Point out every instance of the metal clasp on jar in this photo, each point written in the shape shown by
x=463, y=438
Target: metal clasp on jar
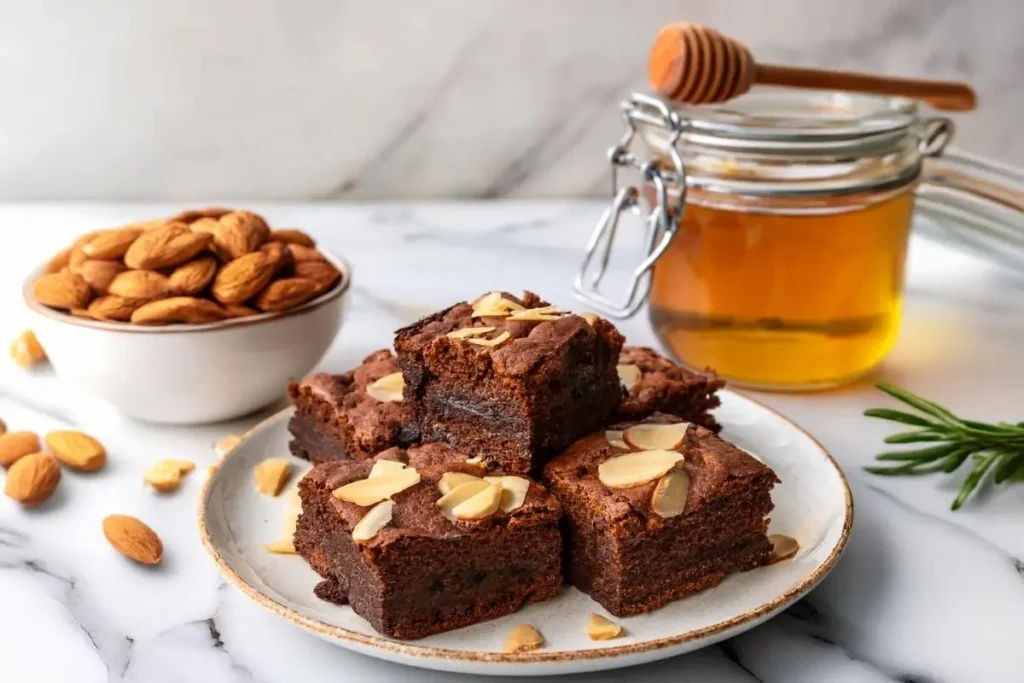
x=661, y=221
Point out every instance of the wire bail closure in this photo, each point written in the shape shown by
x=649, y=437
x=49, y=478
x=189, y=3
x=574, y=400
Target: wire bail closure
x=661, y=221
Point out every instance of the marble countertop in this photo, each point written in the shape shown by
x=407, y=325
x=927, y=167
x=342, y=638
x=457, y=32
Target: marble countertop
x=922, y=594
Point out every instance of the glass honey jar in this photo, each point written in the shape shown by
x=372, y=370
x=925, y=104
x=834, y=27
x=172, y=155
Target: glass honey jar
x=777, y=227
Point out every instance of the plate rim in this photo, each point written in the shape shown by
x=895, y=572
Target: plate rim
x=410, y=649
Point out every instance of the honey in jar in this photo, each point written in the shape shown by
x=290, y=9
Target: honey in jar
x=777, y=228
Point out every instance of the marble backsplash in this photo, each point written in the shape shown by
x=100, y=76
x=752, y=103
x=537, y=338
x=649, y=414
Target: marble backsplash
x=323, y=99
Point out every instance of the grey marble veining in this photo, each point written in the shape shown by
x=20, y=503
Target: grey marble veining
x=438, y=98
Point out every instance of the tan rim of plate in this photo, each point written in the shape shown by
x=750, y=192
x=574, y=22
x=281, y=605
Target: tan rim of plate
x=426, y=652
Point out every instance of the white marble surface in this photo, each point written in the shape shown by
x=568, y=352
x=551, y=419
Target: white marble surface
x=922, y=594
x=434, y=98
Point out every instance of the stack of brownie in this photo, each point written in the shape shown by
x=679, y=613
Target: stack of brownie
x=449, y=476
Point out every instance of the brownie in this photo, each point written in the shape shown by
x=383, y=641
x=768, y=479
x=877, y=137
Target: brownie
x=665, y=387
x=631, y=559
x=335, y=418
x=516, y=403
x=424, y=573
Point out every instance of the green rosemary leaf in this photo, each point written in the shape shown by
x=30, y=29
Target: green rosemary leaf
x=899, y=416
x=973, y=479
x=1009, y=464
x=922, y=454
x=925, y=406
x=915, y=437
x=954, y=460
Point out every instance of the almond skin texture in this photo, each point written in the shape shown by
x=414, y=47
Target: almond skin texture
x=292, y=236
x=99, y=274
x=133, y=539
x=26, y=350
x=241, y=279
x=281, y=295
x=193, y=277
x=62, y=290
x=193, y=215
x=16, y=445
x=166, y=246
x=58, y=261
x=114, y=308
x=279, y=256
x=178, y=309
x=140, y=284
x=239, y=311
x=240, y=232
x=322, y=273
x=302, y=253
x=205, y=224
x=111, y=245
x=32, y=479
x=77, y=450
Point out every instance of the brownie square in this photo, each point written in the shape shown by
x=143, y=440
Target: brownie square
x=664, y=387
x=516, y=403
x=424, y=573
x=630, y=558
x=335, y=418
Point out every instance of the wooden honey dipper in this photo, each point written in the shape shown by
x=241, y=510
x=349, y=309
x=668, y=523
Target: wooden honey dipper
x=698, y=65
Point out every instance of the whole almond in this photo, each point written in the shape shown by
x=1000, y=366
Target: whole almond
x=243, y=278
x=280, y=295
x=77, y=450
x=133, y=539
x=291, y=236
x=204, y=225
x=32, y=479
x=114, y=308
x=76, y=258
x=99, y=274
x=140, y=284
x=193, y=277
x=26, y=350
x=178, y=309
x=58, y=261
x=240, y=232
x=82, y=313
x=279, y=255
x=111, y=245
x=302, y=253
x=193, y=215
x=169, y=245
x=16, y=445
x=322, y=273
x=239, y=311
x=62, y=290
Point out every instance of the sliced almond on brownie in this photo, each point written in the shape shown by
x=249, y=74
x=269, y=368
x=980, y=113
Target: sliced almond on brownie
x=481, y=505
x=648, y=437
x=629, y=375
x=600, y=628
x=451, y=480
x=384, y=467
x=544, y=313
x=669, y=496
x=459, y=494
x=513, y=491
x=493, y=304
x=590, y=317
x=373, y=521
x=367, y=492
x=470, y=332
x=614, y=439
x=633, y=469
x=387, y=389
x=490, y=342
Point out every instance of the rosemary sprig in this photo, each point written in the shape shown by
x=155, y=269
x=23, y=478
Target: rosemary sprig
x=953, y=441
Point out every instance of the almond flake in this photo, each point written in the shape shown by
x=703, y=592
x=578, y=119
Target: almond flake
x=227, y=444
x=669, y=496
x=783, y=547
x=482, y=505
x=451, y=480
x=163, y=480
x=530, y=316
x=384, y=467
x=523, y=638
x=469, y=332
x=366, y=492
x=629, y=375
x=494, y=304
x=387, y=389
x=600, y=628
x=373, y=521
x=649, y=437
x=179, y=466
x=490, y=342
x=460, y=494
x=614, y=439
x=270, y=475
x=283, y=547
x=591, y=318
x=633, y=469
x=477, y=461
x=513, y=491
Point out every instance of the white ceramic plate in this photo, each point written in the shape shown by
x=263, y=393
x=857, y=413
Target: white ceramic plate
x=813, y=504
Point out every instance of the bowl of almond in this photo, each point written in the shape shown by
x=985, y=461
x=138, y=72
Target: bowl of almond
x=200, y=317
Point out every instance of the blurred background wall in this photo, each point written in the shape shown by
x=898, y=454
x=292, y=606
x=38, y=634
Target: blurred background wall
x=328, y=99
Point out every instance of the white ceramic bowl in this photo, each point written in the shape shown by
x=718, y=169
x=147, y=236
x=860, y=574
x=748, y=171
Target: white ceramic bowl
x=191, y=374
